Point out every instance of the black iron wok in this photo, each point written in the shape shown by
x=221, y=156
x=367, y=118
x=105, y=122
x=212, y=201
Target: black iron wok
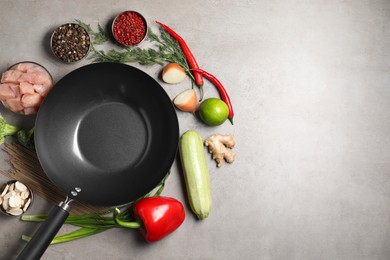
x=106, y=134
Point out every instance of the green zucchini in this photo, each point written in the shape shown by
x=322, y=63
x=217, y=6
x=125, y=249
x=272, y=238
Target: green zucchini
x=196, y=173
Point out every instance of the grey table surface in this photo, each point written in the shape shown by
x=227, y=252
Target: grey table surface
x=310, y=83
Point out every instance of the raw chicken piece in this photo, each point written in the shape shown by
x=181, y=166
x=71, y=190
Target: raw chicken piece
x=14, y=104
x=37, y=68
x=25, y=66
x=26, y=88
x=11, y=76
x=36, y=77
x=31, y=100
x=42, y=89
x=30, y=110
x=15, y=88
x=6, y=91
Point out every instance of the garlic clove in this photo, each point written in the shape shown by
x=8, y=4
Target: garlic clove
x=9, y=195
x=5, y=190
x=20, y=186
x=26, y=205
x=25, y=194
x=15, y=201
x=5, y=204
x=12, y=186
x=15, y=212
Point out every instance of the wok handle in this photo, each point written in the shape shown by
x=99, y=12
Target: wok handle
x=46, y=232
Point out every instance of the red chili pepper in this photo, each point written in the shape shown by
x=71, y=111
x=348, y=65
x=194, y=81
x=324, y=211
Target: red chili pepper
x=189, y=56
x=221, y=89
x=159, y=216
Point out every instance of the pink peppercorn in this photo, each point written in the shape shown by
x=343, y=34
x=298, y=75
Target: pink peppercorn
x=129, y=28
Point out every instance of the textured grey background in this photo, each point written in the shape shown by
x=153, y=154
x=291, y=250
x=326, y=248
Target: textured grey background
x=310, y=85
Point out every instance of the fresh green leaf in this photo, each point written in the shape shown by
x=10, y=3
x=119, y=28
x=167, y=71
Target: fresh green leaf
x=26, y=138
x=77, y=234
x=6, y=129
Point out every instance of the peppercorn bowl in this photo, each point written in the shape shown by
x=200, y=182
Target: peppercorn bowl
x=70, y=42
x=129, y=28
x=15, y=198
x=24, y=86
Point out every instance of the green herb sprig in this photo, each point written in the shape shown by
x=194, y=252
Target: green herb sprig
x=165, y=49
x=99, y=37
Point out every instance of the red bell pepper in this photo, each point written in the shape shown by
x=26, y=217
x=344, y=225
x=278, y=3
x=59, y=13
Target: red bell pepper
x=156, y=217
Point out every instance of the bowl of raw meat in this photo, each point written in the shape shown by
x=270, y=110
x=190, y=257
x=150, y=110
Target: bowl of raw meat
x=24, y=86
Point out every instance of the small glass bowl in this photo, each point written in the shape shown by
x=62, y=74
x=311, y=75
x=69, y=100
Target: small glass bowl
x=16, y=198
x=20, y=85
x=129, y=28
x=70, y=42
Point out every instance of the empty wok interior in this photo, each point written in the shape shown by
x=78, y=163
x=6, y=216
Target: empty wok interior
x=107, y=131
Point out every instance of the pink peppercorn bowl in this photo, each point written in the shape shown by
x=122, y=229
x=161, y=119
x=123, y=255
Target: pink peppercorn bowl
x=129, y=28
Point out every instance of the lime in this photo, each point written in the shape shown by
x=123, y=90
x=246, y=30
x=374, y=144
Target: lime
x=213, y=111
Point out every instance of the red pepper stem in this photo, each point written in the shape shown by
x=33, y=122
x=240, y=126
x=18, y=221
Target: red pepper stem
x=132, y=225
x=201, y=92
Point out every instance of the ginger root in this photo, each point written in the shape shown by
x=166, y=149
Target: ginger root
x=219, y=146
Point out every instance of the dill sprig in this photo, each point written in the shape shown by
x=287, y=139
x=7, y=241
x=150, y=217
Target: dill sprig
x=99, y=37
x=165, y=49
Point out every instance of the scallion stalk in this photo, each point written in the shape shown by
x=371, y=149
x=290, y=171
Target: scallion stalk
x=94, y=223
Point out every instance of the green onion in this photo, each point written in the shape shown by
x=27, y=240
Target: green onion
x=77, y=234
x=94, y=223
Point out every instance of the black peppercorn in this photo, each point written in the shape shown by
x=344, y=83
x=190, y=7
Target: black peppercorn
x=70, y=42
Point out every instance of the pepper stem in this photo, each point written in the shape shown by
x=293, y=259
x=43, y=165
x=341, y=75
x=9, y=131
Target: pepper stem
x=125, y=224
x=201, y=92
x=231, y=120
